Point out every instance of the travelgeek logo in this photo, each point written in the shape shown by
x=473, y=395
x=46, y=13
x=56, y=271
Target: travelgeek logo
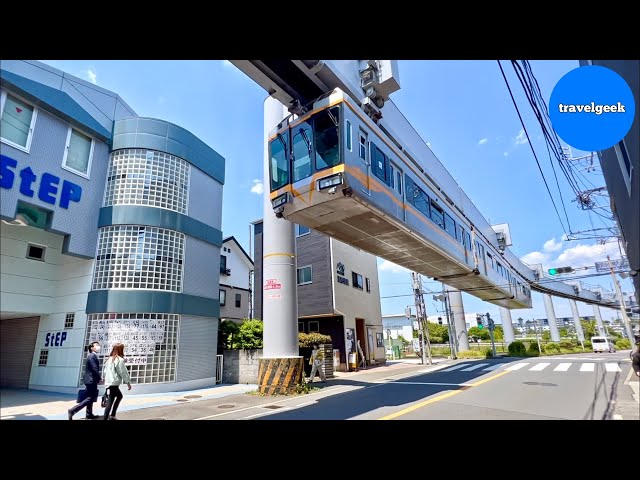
x=592, y=108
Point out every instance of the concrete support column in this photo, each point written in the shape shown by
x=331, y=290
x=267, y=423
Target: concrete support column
x=507, y=326
x=457, y=312
x=576, y=320
x=598, y=315
x=551, y=317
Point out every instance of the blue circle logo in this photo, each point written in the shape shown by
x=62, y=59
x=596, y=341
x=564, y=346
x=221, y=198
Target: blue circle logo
x=592, y=108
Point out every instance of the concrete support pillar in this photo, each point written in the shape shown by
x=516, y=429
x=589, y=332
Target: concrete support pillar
x=507, y=326
x=551, y=317
x=457, y=312
x=576, y=320
x=598, y=315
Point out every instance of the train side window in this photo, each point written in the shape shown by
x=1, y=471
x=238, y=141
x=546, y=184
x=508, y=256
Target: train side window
x=490, y=257
x=302, y=154
x=468, y=240
x=437, y=215
x=421, y=201
x=348, y=134
x=363, y=147
x=399, y=182
x=392, y=177
x=450, y=225
x=379, y=164
x=279, y=161
x=460, y=234
x=325, y=134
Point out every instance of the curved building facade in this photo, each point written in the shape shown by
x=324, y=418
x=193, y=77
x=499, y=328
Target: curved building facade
x=137, y=246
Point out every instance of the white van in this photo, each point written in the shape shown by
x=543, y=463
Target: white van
x=602, y=344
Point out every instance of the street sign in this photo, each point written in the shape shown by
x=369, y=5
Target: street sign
x=617, y=264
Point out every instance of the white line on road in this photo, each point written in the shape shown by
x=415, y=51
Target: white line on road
x=492, y=367
x=265, y=413
x=562, y=367
x=539, y=367
x=400, y=382
x=451, y=369
x=587, y=367
x=612, y=367
x=517, y=366
x=475, y=367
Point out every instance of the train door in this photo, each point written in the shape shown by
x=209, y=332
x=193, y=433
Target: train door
x=364, y=156
x=397, y=190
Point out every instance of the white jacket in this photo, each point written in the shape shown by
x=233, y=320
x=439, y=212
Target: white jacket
x=115, y=373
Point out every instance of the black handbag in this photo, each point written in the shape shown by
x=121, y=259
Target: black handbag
x=82, y=394
x=105, y=399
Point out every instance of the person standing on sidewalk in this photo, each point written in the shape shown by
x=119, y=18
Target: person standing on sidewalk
x=91, y=380
x=317, y=363
x=635, y=361
x=115, y=373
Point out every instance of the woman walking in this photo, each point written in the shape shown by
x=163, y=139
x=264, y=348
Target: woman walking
x=115, y=374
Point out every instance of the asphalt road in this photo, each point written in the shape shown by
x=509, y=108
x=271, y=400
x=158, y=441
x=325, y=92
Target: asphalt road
x=583, y=386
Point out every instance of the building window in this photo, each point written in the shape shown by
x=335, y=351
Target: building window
x=304, y=275
x=223, y=297
x=238, y=300
x=17, y=121
x=147, y=177
x=302, y=230
x=301, y=327
x=314, y=326
x=68, y=320
x=78, y=153
x=368, y=284
x=379, y=340
x=44, y=356
x=131, y=256
x=223, y=265
x=36, y=252
x=357, y=280
x=150, y=339
x=348, y=123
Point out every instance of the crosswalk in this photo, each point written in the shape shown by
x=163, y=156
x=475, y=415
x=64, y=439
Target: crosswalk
x=610, y=367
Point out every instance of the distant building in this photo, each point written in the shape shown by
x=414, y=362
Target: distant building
x=398, y=324
x=236, y=268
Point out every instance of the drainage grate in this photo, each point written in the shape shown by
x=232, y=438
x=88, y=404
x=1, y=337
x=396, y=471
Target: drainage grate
x=182, y=400
x=226, y=405
x=273, y=407
x=193, y=396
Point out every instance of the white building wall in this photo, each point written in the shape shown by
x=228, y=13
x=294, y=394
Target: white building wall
x=51, y=289
x=238, y=264
x=352, y=302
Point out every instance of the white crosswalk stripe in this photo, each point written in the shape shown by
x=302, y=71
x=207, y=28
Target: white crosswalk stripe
x=539, y=367
x=587, y=367
x=562, y=367
x=517, y=366
x=492, y=367
x=475, y=367
x=612, y=367
x=451, y=369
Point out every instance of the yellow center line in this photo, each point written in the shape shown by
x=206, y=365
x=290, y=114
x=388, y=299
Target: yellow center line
x=441, y=397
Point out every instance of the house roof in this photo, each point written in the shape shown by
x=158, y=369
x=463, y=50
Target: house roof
x=232, y=238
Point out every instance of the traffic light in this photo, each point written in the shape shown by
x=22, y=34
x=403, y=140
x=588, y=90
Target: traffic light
x=440, y=320
x=479, y=320
x=558, y=271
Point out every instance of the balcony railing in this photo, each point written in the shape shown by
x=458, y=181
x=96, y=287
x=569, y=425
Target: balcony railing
x=225, y=271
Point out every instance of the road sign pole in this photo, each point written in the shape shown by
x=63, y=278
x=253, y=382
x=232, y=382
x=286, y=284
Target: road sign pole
x=623, y=307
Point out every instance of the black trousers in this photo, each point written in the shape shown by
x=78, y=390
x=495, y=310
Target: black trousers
x=92, y=396
x=115, y=395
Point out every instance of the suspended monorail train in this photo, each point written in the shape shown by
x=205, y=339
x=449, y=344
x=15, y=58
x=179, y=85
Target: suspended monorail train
x=334, y=170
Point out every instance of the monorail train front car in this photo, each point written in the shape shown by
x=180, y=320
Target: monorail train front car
x=334, y=170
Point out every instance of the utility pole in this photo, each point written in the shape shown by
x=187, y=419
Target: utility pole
x=623, y=307
x=421, y=315
x=491, y=327
x=535, y=327
x=444, y=297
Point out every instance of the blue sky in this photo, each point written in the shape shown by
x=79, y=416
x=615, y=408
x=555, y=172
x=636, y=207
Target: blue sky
x=461, y=108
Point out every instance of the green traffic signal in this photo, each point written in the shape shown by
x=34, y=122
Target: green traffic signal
x=553, y=271
x=480, y=326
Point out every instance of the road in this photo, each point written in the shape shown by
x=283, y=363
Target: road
x=576, y=387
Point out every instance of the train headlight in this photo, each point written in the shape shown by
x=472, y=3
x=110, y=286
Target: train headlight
x=279, y=200
x=329, y=182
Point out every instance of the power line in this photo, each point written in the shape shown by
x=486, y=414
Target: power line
x=534, y=152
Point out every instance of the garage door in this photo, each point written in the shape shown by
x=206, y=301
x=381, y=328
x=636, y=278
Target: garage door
x=17, y=342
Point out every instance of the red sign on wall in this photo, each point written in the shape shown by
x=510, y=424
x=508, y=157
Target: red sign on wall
x=272, y=284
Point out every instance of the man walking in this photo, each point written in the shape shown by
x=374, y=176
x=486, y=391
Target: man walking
x=91, y=380
x=317, y=361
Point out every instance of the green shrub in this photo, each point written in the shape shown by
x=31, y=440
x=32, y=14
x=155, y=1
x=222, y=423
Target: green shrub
x=623, y=344
x=488, y=352
x=517, y=348
x=588, y=345
x=436, y=340
x=440, y=351
x=549, y=348
x=533, y=351
x=249, y=335
x=472, y=354
x=568, y=344
x=306, y=340
x=226, y=331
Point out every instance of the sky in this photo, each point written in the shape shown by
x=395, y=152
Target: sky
x=461, y=108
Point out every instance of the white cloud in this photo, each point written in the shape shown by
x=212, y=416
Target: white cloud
x=521, y=138
x=483, y=141
x=91, y=75
x=552, y=245
x=258, y=187
x=534, y=258
x=506, y=154
x=587, y=255
x=387, y=266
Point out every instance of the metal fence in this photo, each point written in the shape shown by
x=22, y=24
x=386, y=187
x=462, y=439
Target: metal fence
x=219, y=365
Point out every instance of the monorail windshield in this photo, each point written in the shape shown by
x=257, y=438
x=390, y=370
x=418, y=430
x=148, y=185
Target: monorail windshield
x=306, y=147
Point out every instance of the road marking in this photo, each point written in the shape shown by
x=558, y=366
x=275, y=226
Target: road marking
x=539, y=367
x=400, y=382
x=587, y=367
x=475, y=367
x=562, y=367
x=451, y=369
x=517, y=366
x=265, y=413
x=617, y=417
x=492, y=367
x=612, y=367
x=440, y=397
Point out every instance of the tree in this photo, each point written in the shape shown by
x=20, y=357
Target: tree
x=564, y=332
x=546, y=335
x=403, y=340
x=589, y=328
x=482, y=334
x=249, y=335
x=226, y=331
x=498, y=333
x=437, y=330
